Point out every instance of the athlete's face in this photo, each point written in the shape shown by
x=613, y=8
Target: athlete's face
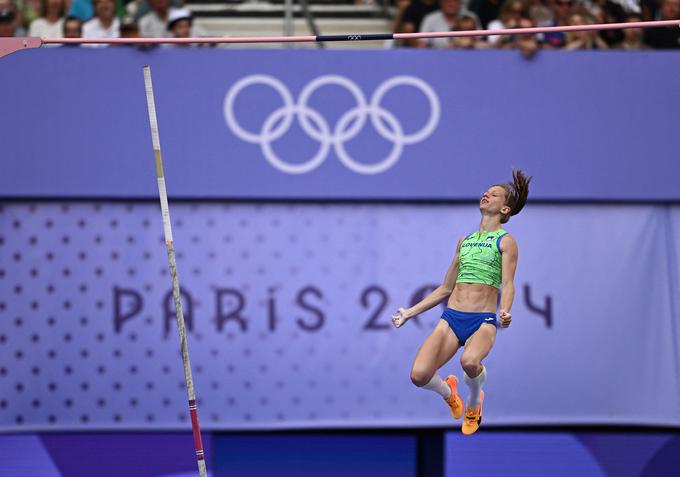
x=493, y=201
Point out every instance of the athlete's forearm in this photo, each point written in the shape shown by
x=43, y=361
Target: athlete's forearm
x=507, y=296
x=439, y=294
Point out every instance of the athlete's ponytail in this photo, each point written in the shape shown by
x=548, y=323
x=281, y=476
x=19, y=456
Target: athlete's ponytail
x=517, y=192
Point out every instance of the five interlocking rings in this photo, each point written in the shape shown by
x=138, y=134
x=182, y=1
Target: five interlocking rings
x=346, y=128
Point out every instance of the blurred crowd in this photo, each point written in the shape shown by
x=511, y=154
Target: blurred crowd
x=452, y=15
x=168, y=18
x=95, y=19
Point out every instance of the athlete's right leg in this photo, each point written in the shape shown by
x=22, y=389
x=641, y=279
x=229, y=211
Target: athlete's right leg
x=437, y=350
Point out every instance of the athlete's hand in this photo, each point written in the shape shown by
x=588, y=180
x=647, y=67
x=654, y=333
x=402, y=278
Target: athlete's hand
x=400, y=318
x=506, y=318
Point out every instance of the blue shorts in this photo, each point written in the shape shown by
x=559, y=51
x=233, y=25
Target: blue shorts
x=465, y=323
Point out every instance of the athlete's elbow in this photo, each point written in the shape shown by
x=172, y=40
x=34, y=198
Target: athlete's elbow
x=508, y=285
x=445, y=290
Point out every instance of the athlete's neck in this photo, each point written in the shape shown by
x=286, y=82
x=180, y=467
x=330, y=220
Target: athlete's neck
x=489, y=223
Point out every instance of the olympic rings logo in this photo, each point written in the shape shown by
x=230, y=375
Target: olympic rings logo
x=346, y=128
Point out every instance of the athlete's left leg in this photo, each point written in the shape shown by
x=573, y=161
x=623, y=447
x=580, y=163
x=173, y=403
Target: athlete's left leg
x=477, y=347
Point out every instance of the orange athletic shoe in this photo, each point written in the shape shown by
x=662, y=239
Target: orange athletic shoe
x=473, y=417
x=454, y=401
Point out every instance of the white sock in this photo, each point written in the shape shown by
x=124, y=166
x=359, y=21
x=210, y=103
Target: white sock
x=440, y=387
x=475, y=386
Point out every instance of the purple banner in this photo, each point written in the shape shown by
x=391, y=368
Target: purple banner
x=287, y=310
x=340, y=124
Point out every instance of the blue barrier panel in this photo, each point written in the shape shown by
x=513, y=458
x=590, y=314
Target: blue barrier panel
x=310, y=455
x=562, y=454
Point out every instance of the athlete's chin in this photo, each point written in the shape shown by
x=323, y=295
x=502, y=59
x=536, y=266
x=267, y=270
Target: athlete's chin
x=486, y=210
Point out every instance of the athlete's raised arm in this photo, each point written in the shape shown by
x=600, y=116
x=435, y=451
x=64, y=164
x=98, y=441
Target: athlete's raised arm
x=439, y=294
x=510, y=253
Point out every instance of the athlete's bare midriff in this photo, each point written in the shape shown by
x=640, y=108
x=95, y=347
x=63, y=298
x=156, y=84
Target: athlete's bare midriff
x=474, y=297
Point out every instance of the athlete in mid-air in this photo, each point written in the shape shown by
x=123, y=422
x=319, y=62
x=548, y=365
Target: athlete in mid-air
x=484, y=261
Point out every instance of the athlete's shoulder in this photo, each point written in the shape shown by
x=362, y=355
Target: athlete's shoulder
x=467, y=236
x=461, y=239
x=507, y=242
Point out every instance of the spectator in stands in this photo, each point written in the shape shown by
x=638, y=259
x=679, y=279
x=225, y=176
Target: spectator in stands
x=73, y=28
x=665, y=37
x=415, y=13
x=179, y=24
x=10, y=19
x=51, y=23
x=611, y=13
x=84, y=9
x=563, y=10
x=583, y=40
x=511, y=12
x=400, y=26
x=633, y=37
x=541, y=15
x=104, y=24
x=527, y=45
x=593, y=8
x=139, y=8
x=129, y=27
x=629, y=6
x=486, y=10
x=650, y=9
x=467, y=22
x=443, y=19
x=29, y=10
x=155, y=23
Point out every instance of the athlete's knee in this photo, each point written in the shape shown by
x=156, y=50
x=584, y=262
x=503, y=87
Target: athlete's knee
x=421, y=376
x=471, y=364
